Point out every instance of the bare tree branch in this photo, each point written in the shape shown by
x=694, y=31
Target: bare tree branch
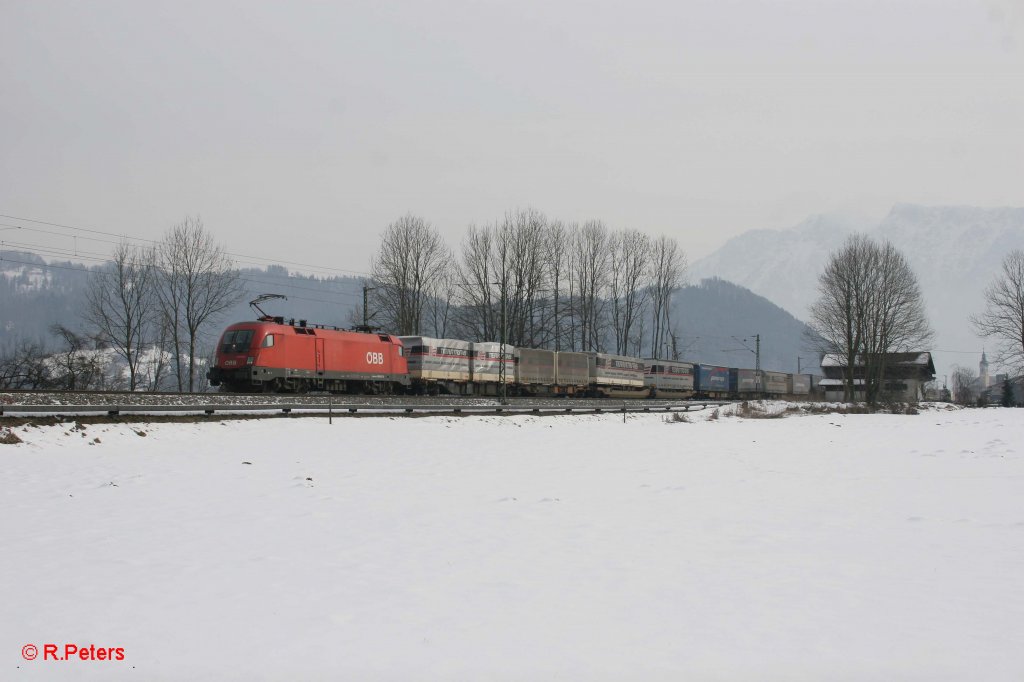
x=198, y=283
x=1003, y=318
x=869, y=306
x=668, y=269
x=120, y=304
x=411, y=260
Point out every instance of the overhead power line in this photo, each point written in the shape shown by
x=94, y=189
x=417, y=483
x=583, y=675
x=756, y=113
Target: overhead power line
x=100, y=273
x=72, y=227
x=125, y=236
x=103, y=259
x=45, y=265
x=58, y=251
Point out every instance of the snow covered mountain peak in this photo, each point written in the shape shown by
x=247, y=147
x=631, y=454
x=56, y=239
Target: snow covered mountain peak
x=955, y=251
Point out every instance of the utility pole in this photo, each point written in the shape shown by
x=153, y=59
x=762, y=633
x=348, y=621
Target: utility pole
x=757, y=361
x=366, y=313
x=503, y=391
x=501, y=353
x=501, y=348
x=756, y=350
x=558, y=331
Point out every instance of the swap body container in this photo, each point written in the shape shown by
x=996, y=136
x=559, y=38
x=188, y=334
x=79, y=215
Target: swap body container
x=615, y=370
x=711, y=380
x=801, y=384
x=486, y=360
x=743, y=382
x=535, y=367
x=775, y=383
x=668, y=377
x=438, y=359
x=572, y=371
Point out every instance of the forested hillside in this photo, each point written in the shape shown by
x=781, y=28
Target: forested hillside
x=35, y=295
x=717, y=322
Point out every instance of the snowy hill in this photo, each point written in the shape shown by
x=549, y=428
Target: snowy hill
x=955, y=250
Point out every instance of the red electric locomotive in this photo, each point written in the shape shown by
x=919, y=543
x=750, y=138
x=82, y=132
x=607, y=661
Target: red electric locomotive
x=274, y=354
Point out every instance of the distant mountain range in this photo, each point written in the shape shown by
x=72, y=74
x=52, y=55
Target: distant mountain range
x=955, y=251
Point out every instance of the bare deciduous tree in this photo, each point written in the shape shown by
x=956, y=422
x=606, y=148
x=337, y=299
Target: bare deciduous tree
x=964, y=382
x=535, y=283
x=75, y=363
x=521, y=245
x=162, y=349
x=588, y=268
x=668, y=269
x=1003, y=317
x=835, y=315
x=630, y=256
x=478, y=313
x=120, y=304
x=555, y=250
x=896, y=320
x=23, y=365
x=198, y=282
x=503, y=280
x=440, y=300
x=869, y=306
x=411, y=259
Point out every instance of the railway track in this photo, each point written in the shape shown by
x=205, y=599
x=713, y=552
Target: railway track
x=115, y=403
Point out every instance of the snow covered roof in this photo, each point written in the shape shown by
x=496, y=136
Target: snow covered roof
x=921, y=358
x=828, y=383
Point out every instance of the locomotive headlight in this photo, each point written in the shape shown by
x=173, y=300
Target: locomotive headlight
x=249, y=360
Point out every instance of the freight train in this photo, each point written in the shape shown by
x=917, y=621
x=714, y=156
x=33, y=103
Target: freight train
x=276, y=355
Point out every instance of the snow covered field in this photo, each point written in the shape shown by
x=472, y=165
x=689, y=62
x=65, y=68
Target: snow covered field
x=829, y=547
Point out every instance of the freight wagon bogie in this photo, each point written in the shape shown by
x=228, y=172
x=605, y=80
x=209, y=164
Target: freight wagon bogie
x=300, y=385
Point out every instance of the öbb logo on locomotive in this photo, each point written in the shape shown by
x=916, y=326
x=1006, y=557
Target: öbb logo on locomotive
x=278, y=355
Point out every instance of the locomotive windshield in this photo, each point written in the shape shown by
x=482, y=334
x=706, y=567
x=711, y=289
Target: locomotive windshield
x=236, y=341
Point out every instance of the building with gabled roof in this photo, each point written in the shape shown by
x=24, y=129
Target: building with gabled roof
x=905, y=376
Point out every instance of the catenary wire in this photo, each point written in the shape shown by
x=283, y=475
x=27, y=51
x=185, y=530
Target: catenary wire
x=100, y=273
x=265, y=260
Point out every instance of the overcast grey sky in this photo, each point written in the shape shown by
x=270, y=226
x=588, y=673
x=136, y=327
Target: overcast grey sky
x=299, y=130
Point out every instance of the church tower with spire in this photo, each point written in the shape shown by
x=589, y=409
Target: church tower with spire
x=983, y=371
